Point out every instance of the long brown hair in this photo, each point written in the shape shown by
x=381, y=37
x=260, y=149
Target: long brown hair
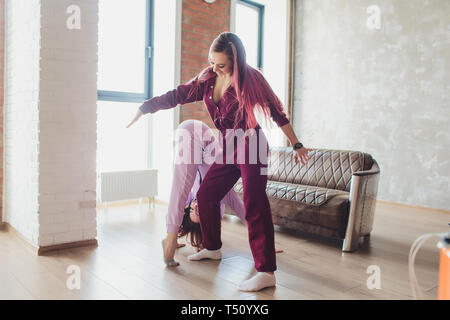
x=252, y=89
x=190, y=229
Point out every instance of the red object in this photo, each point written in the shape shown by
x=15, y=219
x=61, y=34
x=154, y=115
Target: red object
x=444, y=275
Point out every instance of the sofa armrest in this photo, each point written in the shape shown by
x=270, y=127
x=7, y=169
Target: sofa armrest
x=363, y=194
x=374, y=170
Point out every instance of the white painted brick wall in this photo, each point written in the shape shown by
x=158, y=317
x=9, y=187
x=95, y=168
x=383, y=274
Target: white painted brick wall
x=50, y=120
x=21, y=107
x=67, y=121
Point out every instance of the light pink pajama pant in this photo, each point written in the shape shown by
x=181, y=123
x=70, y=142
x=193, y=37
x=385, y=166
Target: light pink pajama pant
x=186, y=179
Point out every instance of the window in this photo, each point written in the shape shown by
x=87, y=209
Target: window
x=125, y=49
x=263, y=27
x=250, y=27
x=125, y=69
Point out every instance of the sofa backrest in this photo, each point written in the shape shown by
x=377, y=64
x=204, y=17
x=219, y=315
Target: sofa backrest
x=331, y=169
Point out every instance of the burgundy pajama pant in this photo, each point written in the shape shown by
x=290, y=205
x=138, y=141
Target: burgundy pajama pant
x=219, y=179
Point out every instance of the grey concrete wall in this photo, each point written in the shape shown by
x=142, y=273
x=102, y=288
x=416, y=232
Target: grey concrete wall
x=383, y=91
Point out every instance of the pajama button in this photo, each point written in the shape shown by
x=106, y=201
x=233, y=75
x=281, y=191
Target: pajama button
x=210, y=97
x=212, y=87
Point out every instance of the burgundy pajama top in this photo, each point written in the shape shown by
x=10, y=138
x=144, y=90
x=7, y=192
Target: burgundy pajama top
x=222, y=114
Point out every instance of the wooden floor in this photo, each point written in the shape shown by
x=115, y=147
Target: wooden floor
x=127, y=264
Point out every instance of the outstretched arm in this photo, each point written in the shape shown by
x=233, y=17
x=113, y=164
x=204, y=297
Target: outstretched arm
x=184, y=93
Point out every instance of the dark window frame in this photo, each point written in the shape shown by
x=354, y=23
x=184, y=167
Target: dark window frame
x=123, y=96
x=260, y=8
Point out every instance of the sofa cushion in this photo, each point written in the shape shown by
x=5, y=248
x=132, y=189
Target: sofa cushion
x=331, y=169
x=305, y=194
x=306, y=208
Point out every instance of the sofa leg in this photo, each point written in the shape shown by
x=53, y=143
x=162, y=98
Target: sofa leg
x=366, y=239
x=350, y=245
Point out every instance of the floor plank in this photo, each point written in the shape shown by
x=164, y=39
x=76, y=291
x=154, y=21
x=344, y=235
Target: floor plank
x=127, y=264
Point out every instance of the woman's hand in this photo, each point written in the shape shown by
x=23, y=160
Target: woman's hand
x=299, y=154
x=138, y=115
x=302, y=155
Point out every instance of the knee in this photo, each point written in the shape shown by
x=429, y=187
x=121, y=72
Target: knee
x=256, y=199
x=202, y=196
x=257, y=207
x=205, y=198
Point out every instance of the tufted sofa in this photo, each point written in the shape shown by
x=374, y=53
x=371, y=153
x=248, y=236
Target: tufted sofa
x=332, y=195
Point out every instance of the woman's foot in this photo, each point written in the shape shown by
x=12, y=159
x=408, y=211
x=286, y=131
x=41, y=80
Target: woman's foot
x=169, y=252
x=206, y=254
x=260, y=281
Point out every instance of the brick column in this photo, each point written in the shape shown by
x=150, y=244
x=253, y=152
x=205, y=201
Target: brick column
x=51, y=122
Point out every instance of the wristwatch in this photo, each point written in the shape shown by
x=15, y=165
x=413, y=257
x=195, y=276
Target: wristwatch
x=298, y=145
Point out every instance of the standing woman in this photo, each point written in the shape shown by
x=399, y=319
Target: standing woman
x=232, y=91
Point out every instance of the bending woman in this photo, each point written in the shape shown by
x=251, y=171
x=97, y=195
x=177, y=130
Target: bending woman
x=194, y=138
x=232, y=91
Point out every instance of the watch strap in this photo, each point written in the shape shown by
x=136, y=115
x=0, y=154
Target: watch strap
x=298, y=145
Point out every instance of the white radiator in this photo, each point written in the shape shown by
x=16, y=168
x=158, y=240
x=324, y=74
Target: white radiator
x=125, y=185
